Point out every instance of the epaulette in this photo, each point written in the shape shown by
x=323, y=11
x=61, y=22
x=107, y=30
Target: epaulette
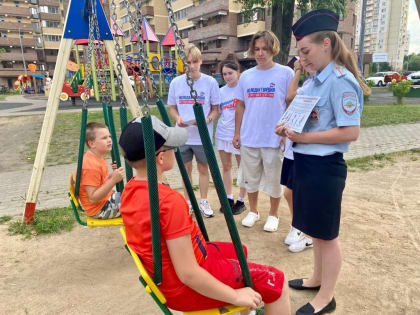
x=339, y=71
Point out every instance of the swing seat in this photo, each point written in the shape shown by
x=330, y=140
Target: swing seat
x=157, y=295
x=90, y=222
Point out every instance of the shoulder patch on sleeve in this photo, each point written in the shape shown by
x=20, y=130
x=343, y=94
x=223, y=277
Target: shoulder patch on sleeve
x=349, y=102
x=339, y=71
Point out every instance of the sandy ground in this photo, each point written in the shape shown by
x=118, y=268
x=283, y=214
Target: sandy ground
x=88, y=271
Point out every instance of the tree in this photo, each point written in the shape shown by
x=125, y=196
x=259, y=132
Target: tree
x=282, y=12
x=412, y=62
x=379, y=67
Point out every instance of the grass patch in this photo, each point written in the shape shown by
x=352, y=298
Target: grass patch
x=378, y=115
x=64, y=144
x=49, y=221
x=5, y=218
x=376, y=161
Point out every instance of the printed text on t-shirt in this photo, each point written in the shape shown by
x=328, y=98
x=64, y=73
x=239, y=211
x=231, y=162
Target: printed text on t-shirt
x=231, y=104
x=262, y=92
x=189, y=100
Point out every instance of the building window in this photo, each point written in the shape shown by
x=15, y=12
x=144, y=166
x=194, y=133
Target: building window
x=257, y=15
x=181, y=14
x=128, y=48
x=124, y=19
x=218, y=43
x=351, y=43
x=52, y=38
x=49, y=9
x=122, y=4
x=204, y=46
x=7, y=64
x=16, y=4
x=2, y=18
x=38, y=41
x=3, y=34
x=184, y=33
x=19, y=19
x=46, y=23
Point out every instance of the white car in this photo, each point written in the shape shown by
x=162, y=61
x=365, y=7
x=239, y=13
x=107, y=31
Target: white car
x=414, y=77
x=378, y=78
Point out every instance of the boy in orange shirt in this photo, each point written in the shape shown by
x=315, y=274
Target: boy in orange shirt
x=195, y=275
x=97, y=196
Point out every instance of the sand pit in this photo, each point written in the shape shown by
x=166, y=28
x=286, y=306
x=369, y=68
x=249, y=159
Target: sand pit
x=88, y=271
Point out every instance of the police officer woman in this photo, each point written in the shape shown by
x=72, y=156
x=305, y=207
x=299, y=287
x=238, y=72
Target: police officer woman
x=319, y=168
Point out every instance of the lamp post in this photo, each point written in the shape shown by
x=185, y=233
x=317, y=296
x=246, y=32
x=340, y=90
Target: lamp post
x=23, y=56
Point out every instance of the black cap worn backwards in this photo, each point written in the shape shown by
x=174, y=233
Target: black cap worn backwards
x=315, y=21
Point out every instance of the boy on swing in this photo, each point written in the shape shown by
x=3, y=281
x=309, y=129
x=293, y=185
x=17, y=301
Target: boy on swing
x=97, y=196
x=195, y=275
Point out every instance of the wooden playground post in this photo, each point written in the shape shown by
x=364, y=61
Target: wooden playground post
x=111, y=74
x=95, y=77
x=76, y=49
x=47, y=129
x=160, y=51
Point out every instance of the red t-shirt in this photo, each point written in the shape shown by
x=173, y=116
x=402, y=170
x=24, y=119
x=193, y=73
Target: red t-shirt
x=94, y=173
x=175, y=221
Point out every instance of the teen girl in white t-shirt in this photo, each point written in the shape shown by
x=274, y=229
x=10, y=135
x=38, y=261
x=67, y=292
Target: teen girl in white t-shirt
x=226, y=129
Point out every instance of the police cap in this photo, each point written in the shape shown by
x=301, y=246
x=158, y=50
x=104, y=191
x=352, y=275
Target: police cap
x=315, y=21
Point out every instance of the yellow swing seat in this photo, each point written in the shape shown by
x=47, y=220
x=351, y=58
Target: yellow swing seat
x=153, y=290
x=90, y=222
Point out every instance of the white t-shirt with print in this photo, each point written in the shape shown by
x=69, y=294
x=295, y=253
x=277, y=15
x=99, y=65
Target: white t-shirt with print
x=226, y=124
x=264, y=94
x=288, y=150
x=208, y=94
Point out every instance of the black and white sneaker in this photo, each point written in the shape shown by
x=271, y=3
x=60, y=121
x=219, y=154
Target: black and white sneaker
x=238, y=207
x=231, y=204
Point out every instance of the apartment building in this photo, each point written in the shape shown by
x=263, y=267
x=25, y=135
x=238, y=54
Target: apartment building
x=30, y=32
x=385, y=29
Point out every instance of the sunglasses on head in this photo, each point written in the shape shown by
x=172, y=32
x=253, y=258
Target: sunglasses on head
x=166, y=150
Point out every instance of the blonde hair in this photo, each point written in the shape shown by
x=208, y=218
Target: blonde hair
x=341, y=55
x=91, y=131
x=193, y=51
x=270, y=39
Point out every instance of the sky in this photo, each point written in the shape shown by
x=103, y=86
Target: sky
x=413, y=26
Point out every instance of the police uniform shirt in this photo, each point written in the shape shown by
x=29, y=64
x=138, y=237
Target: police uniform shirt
x=340, y=105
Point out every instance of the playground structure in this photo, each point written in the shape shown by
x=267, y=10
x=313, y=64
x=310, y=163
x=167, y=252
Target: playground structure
x=94, y=26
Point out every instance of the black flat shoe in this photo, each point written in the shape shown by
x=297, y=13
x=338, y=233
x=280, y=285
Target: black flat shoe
x=309, y=309
x=297, y=284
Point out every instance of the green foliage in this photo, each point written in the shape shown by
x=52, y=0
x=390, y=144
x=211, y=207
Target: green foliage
x=5, y=218
x=48, y=221
x=375, y=67
x=412, y=62
x=400, y=89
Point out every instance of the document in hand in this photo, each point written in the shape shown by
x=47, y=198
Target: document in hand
x=298, y=111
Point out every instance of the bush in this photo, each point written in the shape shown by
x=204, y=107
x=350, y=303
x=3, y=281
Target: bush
x=370, y=84
x=400, y=89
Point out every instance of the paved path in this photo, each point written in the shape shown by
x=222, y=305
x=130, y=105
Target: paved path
x=13, y=185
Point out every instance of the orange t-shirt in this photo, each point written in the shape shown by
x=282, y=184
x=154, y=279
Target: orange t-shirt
x=94, y=173
x=175, y=221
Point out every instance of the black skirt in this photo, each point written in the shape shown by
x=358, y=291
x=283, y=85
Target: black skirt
x=318, y=186
x=286, y=178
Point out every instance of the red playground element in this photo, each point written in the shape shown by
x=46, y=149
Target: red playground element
x=148, y=35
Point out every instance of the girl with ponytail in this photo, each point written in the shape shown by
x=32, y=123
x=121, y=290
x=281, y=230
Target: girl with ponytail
x=319, y=169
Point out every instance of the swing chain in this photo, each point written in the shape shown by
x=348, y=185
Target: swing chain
x=100, y=61
x=179, y=46
x=119, y=54
x=136, y=22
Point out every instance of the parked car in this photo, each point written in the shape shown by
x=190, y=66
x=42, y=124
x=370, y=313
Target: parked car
x=414, y=77
x=394, y=76
x=378, y=78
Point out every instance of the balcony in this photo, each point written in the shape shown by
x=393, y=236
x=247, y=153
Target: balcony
x=208, y=9
x=26, y=42
x=213, y=55
x=14, y=26
x=148, y=11
x=250, y=28
x=54, y=3
x=50, y=16
x=216, y=31
x=17, y=56
x=13, y=11
x=11, y=72
x=50, y=58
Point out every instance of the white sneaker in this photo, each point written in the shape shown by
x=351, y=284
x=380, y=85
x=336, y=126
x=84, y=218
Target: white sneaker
x=206, y=209
x=271, y=224
x=293, y=236
x=250, y=219
x=301, y=245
